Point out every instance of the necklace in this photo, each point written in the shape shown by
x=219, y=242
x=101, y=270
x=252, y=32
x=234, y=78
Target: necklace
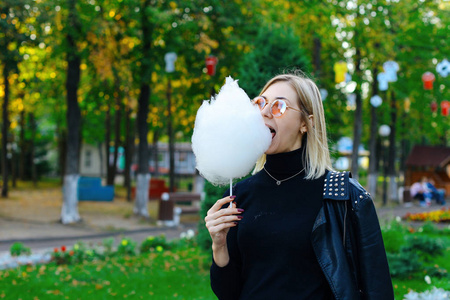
x=280, y=181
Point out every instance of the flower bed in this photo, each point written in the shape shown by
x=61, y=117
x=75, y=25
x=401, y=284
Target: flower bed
x=442, y=215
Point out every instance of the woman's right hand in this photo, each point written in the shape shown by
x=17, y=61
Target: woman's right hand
x=219, y=221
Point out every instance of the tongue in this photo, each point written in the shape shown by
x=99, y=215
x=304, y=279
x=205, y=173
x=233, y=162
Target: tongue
x=273, y=134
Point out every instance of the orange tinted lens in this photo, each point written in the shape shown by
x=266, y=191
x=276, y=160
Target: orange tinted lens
x=278, y=108
x=260, y=101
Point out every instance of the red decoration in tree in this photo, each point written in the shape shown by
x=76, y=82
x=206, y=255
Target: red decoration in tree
x=428, y=79
x=211, y=62
x=434, y=106
x=445, y=105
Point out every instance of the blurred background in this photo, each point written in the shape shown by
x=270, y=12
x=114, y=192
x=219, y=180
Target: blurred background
x=110, y=89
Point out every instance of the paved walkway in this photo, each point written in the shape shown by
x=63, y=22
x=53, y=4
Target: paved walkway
x=31, y=217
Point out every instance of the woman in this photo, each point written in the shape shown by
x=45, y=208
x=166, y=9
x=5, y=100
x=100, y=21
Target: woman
x=296, y=229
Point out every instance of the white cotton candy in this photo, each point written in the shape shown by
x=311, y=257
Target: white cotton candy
x=229, y=135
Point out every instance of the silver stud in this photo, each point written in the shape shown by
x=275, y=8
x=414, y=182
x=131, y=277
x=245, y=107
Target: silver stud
x=325, y=184
x=324, y=194
x=342, y=183
x=331, y=189
x=342, y=194
x=335, y=184
x=329, y=194
x=342, y=189
x=335, y=194
x=342, y=178
x=325, y=180
x=360, y=196
x=356, y=202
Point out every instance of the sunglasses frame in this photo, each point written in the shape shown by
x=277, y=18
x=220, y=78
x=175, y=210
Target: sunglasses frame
x=267, y=102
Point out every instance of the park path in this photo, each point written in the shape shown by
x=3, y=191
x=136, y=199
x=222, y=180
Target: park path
x=32, y=216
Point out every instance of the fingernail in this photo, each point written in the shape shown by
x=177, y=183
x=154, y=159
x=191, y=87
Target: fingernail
x=232, y=197
x=240, y=210
x=236, y=223
x=240, y=217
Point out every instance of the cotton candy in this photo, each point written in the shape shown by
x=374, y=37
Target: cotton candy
x=229, y=135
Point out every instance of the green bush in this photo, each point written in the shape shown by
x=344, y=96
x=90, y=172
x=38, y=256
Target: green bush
x=409, y=253
x=403, y=264
x=152, y=243
x=426, y=247
x=126, y=247
x=212, y=194
x=19, y=249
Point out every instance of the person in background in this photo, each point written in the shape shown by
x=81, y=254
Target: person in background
x=419, y=191
x=434, y=193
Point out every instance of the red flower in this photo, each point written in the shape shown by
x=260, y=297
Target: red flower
x=71, y=253
x=55, y=250
x=63, y=248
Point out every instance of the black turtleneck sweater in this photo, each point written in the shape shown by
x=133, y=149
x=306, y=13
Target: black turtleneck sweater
x=271, y=254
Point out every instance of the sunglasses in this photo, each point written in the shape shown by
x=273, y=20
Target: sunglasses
x=277, y=108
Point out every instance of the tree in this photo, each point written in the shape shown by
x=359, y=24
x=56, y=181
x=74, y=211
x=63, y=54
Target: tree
x=69, y=211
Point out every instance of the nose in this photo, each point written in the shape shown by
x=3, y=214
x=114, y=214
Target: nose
x=265, y=112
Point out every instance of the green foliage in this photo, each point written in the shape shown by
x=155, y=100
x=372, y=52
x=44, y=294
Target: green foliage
x=212, y=194
x=178, y=274
x=403, y=264
x=276, y=49
x=19, y=249
x=410, y=252
x=152, y=243
x=126, y=247
x=426, y=247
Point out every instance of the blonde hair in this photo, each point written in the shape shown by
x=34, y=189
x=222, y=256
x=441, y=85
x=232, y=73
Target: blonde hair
x=317, y=155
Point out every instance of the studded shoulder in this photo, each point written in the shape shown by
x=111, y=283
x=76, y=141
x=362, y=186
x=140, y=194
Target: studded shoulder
x=336, y=185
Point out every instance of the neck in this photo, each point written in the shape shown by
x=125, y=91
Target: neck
x=284, y=164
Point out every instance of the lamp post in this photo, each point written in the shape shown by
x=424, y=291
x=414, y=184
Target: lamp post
x=384, y=132
x=170, y=59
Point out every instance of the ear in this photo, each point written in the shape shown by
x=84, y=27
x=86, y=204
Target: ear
x=304, y=128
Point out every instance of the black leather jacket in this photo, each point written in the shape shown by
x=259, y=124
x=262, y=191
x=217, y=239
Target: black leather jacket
x=348, y=244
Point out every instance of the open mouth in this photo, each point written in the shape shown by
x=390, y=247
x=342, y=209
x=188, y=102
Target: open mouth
x=272, y=131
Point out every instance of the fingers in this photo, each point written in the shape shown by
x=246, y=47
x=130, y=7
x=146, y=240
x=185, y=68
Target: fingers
x=219, y=203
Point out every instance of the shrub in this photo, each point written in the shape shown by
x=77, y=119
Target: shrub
x=426, y=247
x=403, y=264
x=126, y=247
x=152, y=243
x=212, y=194
x=19, y=249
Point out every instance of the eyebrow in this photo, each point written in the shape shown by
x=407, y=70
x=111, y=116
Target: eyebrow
x=278, y=98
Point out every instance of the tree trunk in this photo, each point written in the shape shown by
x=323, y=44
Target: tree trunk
x=22, y=146
x=5, y=127
x=129, y=145
x=117, y=121
x=33, y=150
x=171, y=139
x=100, y=158
x=14, y=165
x=69, y=211
x=143, y=176
x=108, y=143
x=62, y=150
x=357, y=132
x=373, y=174
x=156, y=152
x=316, y=57
x=392, y=151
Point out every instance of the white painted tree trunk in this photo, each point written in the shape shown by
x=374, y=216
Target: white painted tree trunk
x=372, y=184
x=140, y=204
x=69, y=211
x=393, y=189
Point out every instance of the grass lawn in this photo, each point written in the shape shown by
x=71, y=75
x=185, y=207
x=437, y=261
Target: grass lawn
x=180, y=275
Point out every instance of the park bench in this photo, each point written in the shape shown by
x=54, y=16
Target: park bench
x=172, y=205
x=91, y=189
